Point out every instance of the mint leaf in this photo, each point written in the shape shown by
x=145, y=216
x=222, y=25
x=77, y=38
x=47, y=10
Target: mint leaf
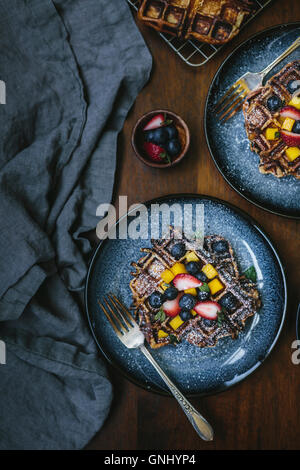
x=160, y=316
x=204, y=288
x=173, y=340
x=250, y=273
x=221, y=316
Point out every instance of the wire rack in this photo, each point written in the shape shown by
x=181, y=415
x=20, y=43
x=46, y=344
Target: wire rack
x=193, y=52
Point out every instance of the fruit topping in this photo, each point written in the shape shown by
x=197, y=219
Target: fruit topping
x=158, y=136
x=287, y=124
x=208, y=309
x=272, y=133
x=155, y=152
x=171, y=307
x=173, y=147
x=192, y=267
x=293, y=86
x=201, y=276
x=296, y=127
x=178, y=250
x=155, y=122
x=162, y=334
x=156, y=299
x=186, y=281
x=229, y=302
x=172, y=132
x=292, y=153
x=187, y=301
x=274, y=103
x=170, y=293
x=209, y=271
x=178, y=268
x=290, y=139
x=176, y=322
x=192, y=291
x=191, y=256
x=290, y=112
x=215, y=286
x=167, y=276
x=220, y=246
x=295, y=101
x=185, y=314
x=203, y=295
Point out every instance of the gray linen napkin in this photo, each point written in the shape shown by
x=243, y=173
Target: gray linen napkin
x=72, y=70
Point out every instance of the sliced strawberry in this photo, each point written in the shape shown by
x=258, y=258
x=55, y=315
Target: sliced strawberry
x=155, y=152
x=291, y=112
x=208, y=310
x=171, y=307
x=290, y=138
x=155, y=122
x=186, y=281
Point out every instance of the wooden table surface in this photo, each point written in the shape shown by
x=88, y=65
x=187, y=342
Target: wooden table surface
x=263, y=411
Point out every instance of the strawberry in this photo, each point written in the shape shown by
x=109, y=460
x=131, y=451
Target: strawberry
x=290, y=138
x=155, y=152
x=208, y=310
x=186, y=281
x=155, y=122
x=171, y=307
x=291, y=112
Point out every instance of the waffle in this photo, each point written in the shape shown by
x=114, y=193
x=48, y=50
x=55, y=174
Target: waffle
x=197, y=331
x=211, y=21
x=258, y=118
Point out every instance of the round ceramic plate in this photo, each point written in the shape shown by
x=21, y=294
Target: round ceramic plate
x=228, y=142
x=197, y=371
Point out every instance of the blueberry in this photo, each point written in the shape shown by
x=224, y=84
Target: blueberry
x=274, y=103
x=201, y=276
x=192, y=267
x=296, y=127
x=202, y=295
x=185, y=314
x=228, y=301
x=178, y=250
x=149, y=135
x=187, y=301
x=160, y=136
x=293, y=86
x=173, y=147
x=172, y=132
x=170, y=293
x=220, y=246
x=156, y=299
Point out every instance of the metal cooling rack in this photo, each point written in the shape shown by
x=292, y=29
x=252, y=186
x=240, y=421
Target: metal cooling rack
x=193, y=52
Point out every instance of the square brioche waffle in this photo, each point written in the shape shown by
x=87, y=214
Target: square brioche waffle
x=197, y=330
x=258, y=118
x=211, y=21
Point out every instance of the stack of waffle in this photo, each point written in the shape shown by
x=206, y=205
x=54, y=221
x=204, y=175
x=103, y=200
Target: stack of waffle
x=197, y=330
x=258, y=118
x=211, y=21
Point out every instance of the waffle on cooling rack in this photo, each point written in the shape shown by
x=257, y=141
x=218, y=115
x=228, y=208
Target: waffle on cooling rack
x=272, y=122
x=235, y=296
x=211, y=21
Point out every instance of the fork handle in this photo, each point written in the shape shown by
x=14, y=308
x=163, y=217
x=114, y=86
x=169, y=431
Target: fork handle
x=201, y=426
x=287, y=52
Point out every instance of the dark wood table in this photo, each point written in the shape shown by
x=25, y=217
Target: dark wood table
x=263, y=411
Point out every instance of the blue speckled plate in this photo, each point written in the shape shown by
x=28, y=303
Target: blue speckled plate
x=228, y=142
x=197, y=371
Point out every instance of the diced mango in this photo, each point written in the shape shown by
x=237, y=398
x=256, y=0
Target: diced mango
x=162, y=334
x=295, y=102
x=292, y=153
x=287, y=124
x=209, y=271
x=215, y=286
x=178, y=268
x=164, y=286
x=192, y=291
x=193, y=313
x=167, y=276
x=191, y=256
x=176, y=322
x=272, y=133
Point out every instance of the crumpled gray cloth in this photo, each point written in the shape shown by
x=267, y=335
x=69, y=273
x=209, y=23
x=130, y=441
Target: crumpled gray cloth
x=72, y=70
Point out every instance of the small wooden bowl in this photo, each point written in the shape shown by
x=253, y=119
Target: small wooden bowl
x=137, y=138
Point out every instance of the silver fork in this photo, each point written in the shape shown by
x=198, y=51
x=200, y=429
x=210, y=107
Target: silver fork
x=131, y=336
x=233, y=99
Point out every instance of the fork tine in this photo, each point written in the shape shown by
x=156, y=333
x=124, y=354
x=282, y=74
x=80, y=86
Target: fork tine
x=126, y=311
x=230, y=99
x=240, y=99
x=227, y=93
x=234, y=111
x=117, y=331
x=119, y=310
